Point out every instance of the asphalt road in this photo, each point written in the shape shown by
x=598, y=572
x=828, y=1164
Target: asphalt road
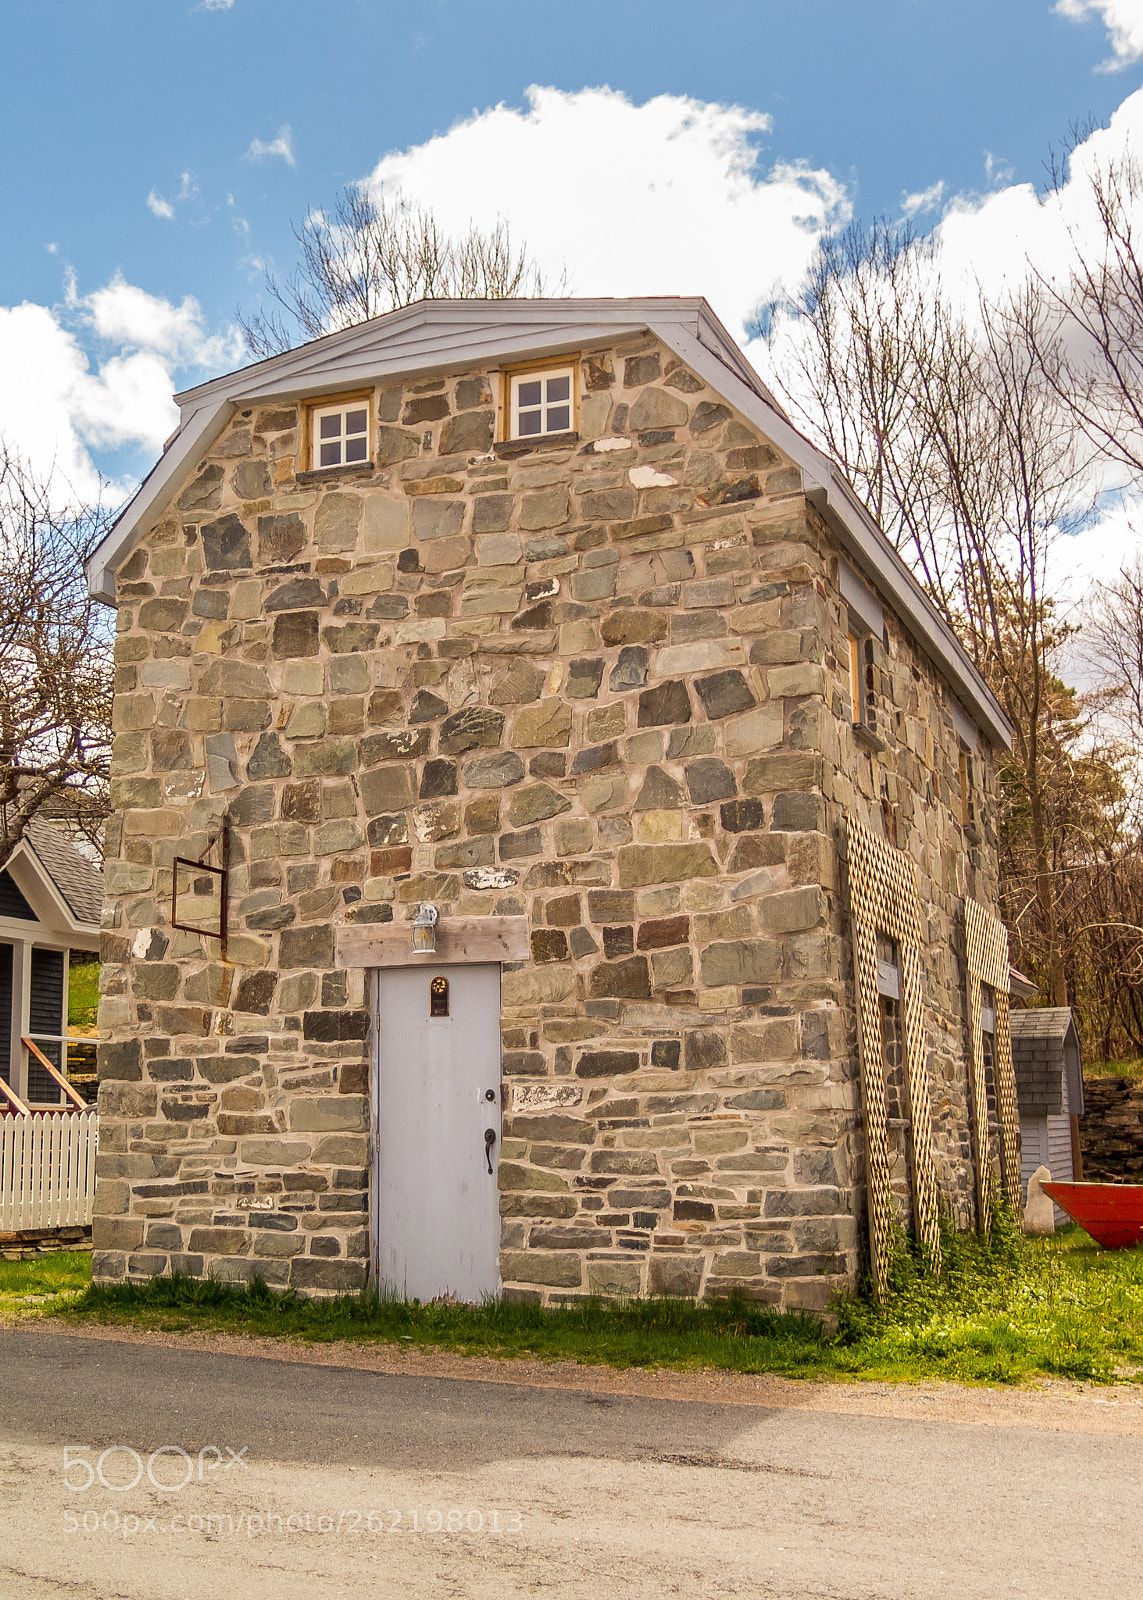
x=303, y=1480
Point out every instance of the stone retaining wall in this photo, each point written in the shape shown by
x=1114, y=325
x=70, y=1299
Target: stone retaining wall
x=600, y=684
x=28, y=1243
x=1111, y=1131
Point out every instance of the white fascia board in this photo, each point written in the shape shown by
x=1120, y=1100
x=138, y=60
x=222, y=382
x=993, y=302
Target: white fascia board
x=860, y=537
x=584, y=319
x=869, y=548
x=196, y=433
x=374, y=366
x=54, y=916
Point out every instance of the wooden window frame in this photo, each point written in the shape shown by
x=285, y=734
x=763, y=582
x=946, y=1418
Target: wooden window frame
x=888, y=967
x=967, y=808
x=856, y=698
x=862, y=668
x=508, y=379
x=336, y=402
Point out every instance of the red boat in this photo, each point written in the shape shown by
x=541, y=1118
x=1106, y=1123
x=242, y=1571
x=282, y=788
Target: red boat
x=1111, y=1212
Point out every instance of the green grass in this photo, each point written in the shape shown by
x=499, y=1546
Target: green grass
x=1006, y=1310
x=83, y=994
x=1131, y=1070
x=64, y=1272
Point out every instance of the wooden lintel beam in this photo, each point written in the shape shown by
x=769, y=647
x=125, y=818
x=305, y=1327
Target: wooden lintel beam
x=460, y=939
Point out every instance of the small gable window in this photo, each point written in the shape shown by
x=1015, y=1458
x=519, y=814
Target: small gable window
x=541, y=402
x=339, y=433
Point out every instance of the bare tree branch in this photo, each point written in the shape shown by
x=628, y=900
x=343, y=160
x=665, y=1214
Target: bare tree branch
x=55, y=663
x=948, y=426
x=374, y=255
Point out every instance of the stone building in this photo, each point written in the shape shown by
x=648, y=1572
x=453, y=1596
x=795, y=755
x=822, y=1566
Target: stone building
x=539, y=613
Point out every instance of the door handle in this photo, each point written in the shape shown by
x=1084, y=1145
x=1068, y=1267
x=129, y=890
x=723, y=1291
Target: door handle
x=489, y=1141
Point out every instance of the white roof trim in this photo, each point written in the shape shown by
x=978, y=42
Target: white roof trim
x=53, y=914
x=410, y=341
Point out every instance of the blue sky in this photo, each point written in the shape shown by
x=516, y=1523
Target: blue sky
x=164, y=149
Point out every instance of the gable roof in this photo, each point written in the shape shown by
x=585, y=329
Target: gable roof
x=78, y=880
x=433, y=336
x=1045, y=1049
x=61, y=889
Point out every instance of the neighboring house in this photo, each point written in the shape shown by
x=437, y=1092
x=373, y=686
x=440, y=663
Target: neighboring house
x=1049, y=1086
x=539, y=613
x=50, y=903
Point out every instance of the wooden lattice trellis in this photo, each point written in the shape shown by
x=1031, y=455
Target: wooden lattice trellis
x=986, y=953
x=883, y=897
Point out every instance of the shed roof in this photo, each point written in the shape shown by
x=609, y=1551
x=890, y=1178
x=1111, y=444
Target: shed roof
x=1045, y=1050
x=78, y=880
x=433, y=336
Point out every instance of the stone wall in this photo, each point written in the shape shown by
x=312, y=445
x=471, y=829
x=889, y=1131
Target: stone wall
x=904, y=783
x=1111, y=1131
x=599, y=685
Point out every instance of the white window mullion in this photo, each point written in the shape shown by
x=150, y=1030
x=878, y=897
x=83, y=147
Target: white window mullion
x=541, y=403
x=339, y=435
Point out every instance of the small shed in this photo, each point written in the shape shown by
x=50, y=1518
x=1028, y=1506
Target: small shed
x=50, y=903
x=1049, y=1091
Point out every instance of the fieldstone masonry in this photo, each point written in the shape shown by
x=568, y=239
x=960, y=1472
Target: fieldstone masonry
x=599, y=682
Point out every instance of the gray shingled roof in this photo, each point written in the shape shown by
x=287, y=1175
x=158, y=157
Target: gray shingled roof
x=1042, y=1041
x=78, y=880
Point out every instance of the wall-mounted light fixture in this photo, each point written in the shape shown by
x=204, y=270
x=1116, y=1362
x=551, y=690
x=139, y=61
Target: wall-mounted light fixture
x=425, y=929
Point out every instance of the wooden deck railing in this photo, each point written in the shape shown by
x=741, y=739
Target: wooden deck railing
x=12, y=1102
x=77, y=1102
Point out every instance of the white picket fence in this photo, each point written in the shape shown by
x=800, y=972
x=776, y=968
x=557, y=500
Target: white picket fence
x=47, y=1170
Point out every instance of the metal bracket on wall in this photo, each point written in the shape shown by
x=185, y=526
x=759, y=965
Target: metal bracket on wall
x=222, y=840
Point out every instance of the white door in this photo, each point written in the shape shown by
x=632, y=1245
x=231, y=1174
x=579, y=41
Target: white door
x=436, y=1213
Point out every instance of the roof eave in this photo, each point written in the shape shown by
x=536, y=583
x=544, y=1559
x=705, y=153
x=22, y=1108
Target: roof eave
x=66, y=920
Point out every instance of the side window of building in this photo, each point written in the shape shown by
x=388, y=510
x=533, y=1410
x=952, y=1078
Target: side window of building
x=893, y=1067
x=866, y=627
x=863, y=680
x=968, y=772
x=968, y=798
x=988, y=1038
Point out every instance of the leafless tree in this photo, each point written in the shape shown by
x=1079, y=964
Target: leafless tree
x=1093, y=350
x=375, y=254
x=1113, y=646
x=945, y=419
x=55, y=663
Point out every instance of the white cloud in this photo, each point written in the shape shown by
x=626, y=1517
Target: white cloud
x=97, y=373
x=215, y=5
x=1123, y=20
x=160, y=207
x=999, y=238
x=995, y=242
x=282, y=145
x=669, y=197
x=916, y=205
x=123, y=314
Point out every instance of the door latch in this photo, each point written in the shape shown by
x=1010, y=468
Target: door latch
x=489, y=1141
